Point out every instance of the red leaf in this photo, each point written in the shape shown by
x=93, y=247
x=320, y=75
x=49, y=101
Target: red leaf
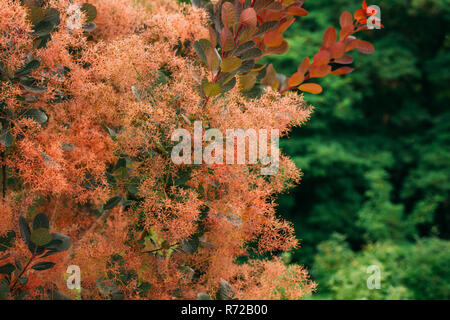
x=304, y=66
x=321, y=58
x=344, y=60
x=226, y=39
x=346, y=31
x=281, y=49
x=342, y=70
x=329, y=38
x=360, y=14
x=248, y=17
x=337, y=50
x=212, y=37
x=283, y=27
x=296, y=79
x=273, y=39
x=319, y=71
x=228, y=15
x=296, y=10
x=364, y=47
x=271, y=15
x=346, y=19
x=313, y=88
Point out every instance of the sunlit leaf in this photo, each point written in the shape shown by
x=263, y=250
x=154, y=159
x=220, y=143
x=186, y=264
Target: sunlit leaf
x=273, y=39
x=41, y=237
x=230, y=64
x=313, y=88
x=212, y=89
x=296, y=79
x=247, y=82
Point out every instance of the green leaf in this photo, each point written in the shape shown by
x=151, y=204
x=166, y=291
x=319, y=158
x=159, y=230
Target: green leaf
x=265, y=27
x=230, y=84
x=90, y=11
x=6, y=138
x=201, y=47
x=37, y=115
x=59, y=243
x=4, y=289
x=247, y=82
x=133, y=188
x=34, y=89
x=35, y=14
x=6, y=241
x=190, y=246
x=230, y=64
x=203, y=296
x=41, y=221
x=7, y=268
x=243, y=47
x=41, y=266
x=246, y=66
x=26, y=233
x=41, y=237
x=30, y=66
x=88, y=27
x=43, y=28
x=252, y=53
x=111, y=203
x=225, y=291
x=110, y=131
x=65, y=242
x=109, y=289
x=52, y=16
x=211, y=89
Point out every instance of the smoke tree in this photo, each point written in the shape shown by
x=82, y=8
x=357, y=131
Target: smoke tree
x=90, y=95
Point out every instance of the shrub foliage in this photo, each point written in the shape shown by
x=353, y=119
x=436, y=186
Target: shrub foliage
x=90, y=94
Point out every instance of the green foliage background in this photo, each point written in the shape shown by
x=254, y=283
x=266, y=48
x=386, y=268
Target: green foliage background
x=375, y=156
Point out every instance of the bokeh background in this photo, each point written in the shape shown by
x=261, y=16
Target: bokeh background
x=375, y=156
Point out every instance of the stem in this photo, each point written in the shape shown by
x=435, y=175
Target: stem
x=205, y=103
x=155, y=250
x=23, y=271
x=286, y=89
x=201, y=261
x=4, y=177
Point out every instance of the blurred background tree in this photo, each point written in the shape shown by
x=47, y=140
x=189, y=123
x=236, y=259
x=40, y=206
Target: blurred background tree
x=375, y=156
